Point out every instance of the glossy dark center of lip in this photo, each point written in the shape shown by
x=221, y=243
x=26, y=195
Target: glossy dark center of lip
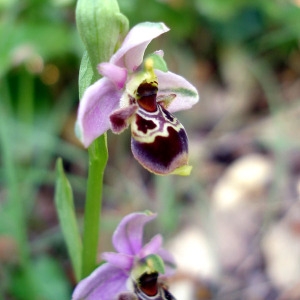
x=147, y=93
x=148, y=284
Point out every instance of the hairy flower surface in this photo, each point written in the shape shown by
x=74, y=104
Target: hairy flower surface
x=116, y=275
x=140, y=92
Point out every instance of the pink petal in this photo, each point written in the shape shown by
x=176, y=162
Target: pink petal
x=116, y=74
x=105, y=283
x=152, y=247
x=169, y=261
x=120, y=260
x=128, y=237
x=170, y=83
x=97, y=103
x=131, y=53
x=120, y=118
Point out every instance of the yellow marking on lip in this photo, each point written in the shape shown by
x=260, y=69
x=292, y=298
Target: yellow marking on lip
x=183, y=171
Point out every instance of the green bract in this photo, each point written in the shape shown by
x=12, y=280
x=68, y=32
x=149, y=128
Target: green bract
x=100, y=25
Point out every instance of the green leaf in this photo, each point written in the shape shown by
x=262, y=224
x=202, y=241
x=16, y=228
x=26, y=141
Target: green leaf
x=66, y=213
x=47, y=278
x=50, y=279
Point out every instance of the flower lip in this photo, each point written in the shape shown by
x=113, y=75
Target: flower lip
x=146, y=93
x=148, y=284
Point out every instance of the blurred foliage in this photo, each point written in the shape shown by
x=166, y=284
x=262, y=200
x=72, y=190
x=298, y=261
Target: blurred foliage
x=260, y=25
x=40, y=53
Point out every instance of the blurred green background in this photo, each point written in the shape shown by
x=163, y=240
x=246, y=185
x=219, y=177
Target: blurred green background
x=244, y=58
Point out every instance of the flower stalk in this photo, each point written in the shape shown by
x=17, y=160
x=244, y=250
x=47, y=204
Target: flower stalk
x=98, y=156
x=100, y=25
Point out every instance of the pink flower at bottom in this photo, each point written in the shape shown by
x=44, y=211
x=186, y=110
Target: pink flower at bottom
x=113, y=277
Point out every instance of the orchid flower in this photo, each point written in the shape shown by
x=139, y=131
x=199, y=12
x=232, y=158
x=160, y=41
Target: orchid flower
x=131, y=261
x=140, y=92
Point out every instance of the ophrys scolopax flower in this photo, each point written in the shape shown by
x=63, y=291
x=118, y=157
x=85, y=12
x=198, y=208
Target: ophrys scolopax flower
x=124, y=270
x=140, y=92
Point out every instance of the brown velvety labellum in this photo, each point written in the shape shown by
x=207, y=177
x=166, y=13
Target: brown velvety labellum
x=144, y=125
x=148, y=284
x=165, y=153
x=148, y=287
x=146, y=93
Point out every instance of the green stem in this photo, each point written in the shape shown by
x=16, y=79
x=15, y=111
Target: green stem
x=26, y=98
x=98, y=156
x=13, y=185
x=167, y=208
x=15, y=198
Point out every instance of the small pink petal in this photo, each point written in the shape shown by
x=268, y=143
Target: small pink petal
x=120, y=260
x=170, y=83
x=128, y=236
x=120, y=118
x=97, y=103
x=169, y=261
x=105, y=283
x=116, y=74
x=131, y=53
x=152, y=247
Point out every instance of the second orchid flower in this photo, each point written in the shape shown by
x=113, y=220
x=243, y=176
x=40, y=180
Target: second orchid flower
x=144, y=94
x=134, y=269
